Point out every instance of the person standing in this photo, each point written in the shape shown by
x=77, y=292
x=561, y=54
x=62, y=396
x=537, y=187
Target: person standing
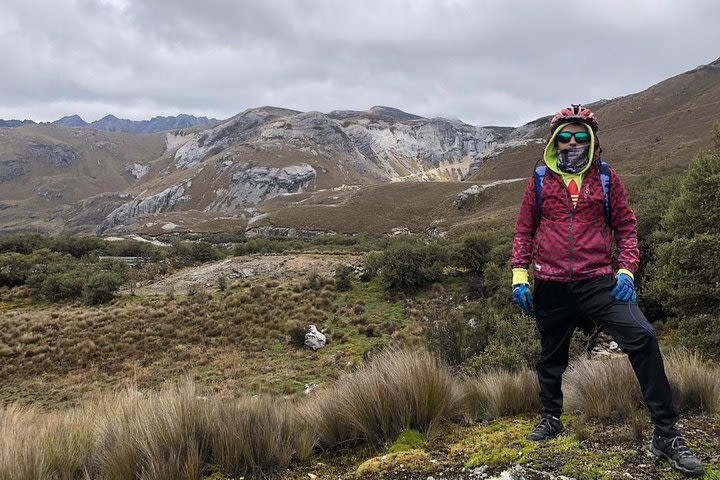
x=573, y=207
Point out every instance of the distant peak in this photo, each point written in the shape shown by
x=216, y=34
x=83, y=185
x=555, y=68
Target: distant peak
x=392, y=112
x=71, y=121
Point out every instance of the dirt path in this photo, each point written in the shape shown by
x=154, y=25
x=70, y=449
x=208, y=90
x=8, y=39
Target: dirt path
x=250, y=267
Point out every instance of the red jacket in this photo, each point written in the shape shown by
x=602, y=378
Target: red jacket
x=575, y=243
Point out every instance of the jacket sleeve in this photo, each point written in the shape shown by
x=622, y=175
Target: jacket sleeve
x=624, y=225
x=525, y=227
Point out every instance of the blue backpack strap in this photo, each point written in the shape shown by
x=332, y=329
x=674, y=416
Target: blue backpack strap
x=605, y=179
x=539, y=181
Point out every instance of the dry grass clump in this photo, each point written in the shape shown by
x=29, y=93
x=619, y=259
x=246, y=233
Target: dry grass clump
x=36, y=446
x=163, y=436
x=695, y=383
x=603, y=388
x=398, y=390
x=608, y=388
x=498, y=393
x=257, y=435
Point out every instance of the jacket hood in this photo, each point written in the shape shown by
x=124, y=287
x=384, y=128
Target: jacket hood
x=551, y=153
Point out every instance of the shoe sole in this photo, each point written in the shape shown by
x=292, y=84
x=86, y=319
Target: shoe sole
x=660, y=454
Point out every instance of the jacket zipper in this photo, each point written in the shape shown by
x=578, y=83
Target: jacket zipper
x=572, y=226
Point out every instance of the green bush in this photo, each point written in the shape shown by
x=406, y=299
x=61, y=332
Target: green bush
x=63, y=286
x=24, y=244
x=684, y=274
x=696, y=210
x=343, y=278
x=204, y=252
x=454, y=337
x=101, y=287
x=701, y=333
x=474, y=250
x=685, y=277
x=408, y=267
x=14, y=269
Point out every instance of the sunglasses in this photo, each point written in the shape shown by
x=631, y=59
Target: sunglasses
x=580, y=137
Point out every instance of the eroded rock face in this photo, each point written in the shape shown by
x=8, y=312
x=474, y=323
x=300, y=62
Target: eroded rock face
x=384, y=143
x=59, y=156
x=12, y=169
x=256, y=184
x=239, y=129
x=138, y=170
x=160, y=202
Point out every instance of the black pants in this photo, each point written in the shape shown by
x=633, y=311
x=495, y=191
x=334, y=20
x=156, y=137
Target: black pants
x=560, y=307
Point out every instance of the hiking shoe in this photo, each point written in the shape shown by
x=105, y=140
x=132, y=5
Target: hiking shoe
x=676, y=450
x=548, y=427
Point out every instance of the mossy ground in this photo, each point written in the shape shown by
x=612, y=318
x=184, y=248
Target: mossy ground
x=606, y=451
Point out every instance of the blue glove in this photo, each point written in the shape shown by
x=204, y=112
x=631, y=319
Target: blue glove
x=624, y=291
x=523, y=297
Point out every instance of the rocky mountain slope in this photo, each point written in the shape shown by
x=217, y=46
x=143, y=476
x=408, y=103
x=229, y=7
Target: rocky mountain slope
x=111, y=123
x=271, y=170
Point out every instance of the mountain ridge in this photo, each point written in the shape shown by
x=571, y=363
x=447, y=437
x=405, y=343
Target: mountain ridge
x=111, y=123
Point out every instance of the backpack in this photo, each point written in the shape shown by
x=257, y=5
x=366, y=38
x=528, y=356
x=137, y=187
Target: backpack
x=604, y=179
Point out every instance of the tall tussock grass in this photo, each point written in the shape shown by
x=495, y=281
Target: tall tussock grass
x=608, y=388
x=177, y=434
x=695, y=383
x=397, y=391
x=37, y=446
x=164, y=436
x=603, y=388
x=499, y=393
x=257, y=435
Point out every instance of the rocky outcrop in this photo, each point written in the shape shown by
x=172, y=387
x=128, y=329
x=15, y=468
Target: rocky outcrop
x=475, y=190
x=160, y=202
x=256, y=184
x=138, y=170
x=238, y=130
x=56, y=155
x=12, y=169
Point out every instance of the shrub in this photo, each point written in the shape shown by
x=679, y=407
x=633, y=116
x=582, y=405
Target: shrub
x=512, y=340
x=343, y=278
x=474, y=250
x=14, y=269
x=101, y=287
x=408, y=267
x=685, y=277
x=222, y=283
x=701, y=333
x=313, y=281
x=455, y=338
x=204, y=252
x=63, y=286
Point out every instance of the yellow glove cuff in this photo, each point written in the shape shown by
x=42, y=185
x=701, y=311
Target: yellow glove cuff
x=520, y=275
x=626, y=272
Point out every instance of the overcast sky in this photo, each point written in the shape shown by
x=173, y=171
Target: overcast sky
x=486, y=63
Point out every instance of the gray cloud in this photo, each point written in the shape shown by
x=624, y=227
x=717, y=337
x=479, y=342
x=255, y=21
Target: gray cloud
x=500, y=63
